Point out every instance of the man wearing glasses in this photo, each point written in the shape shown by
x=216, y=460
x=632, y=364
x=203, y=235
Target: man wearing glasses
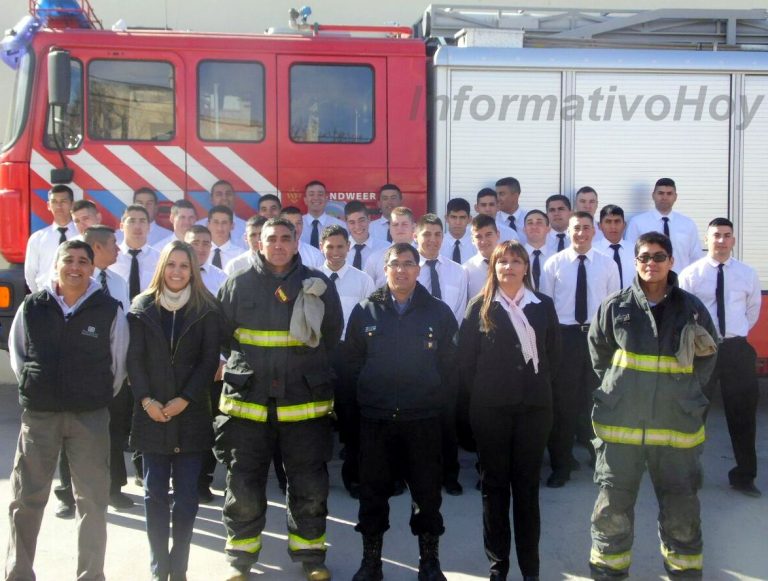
x=400, y=347
x=653, y=346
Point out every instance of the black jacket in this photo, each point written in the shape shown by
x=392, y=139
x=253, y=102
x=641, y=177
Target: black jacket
x=492, y=368
x=188, y=372
x=403, y=365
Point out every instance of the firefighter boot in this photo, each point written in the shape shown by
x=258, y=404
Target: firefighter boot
x=316, y=572
x=429, y=565
x=370, y=568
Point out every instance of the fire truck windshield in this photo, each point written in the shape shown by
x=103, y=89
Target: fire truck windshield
x=19, y=101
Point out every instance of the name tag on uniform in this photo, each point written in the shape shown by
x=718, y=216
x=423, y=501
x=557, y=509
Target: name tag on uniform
x=90, y=332
x=370, y=330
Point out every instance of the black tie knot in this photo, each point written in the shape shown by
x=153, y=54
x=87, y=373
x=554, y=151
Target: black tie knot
x=615, y=246
x=62, y=234
x=134, y=252
x=511, y=220
x=334, y=276
x=359, y=246
x=582, y=257
x=536, y=252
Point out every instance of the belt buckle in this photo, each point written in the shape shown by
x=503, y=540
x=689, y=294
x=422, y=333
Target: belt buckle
x=584, y=328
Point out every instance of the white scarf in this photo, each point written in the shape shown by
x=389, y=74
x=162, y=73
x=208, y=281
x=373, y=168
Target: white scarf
x=172, y=301
x=525, y=333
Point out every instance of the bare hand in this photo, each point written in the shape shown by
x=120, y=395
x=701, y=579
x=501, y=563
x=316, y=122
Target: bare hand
x=155, y=411
x=219, y=372
x=175, y=407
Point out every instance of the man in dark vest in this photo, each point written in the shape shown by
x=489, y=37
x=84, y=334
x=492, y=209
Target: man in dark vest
x=67, y=345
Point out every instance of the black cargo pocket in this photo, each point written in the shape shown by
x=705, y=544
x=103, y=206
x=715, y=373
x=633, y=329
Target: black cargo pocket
x=222, y=444
x=320, y=385
x=608, y=400
x=237, y=385
x=695, y=406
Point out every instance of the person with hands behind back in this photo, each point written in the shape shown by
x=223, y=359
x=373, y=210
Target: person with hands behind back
x=172, y=358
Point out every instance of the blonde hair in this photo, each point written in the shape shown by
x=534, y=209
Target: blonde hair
x=199, y=296
x=491, y=285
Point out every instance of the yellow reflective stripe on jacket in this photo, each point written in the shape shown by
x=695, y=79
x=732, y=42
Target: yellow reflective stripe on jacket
x=649, y=436
x=297, y=543
x=266, y=338
x=679, y=562
x=251, y=545
x=304, y=411
x=618, y=561
x=649, y=363
x=242, y=409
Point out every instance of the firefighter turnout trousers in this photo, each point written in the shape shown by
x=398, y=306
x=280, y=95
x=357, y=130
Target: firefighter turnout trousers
x=246, y=448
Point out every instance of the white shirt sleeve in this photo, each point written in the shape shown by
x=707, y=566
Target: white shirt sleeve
x=17, y=342
x=118, y=339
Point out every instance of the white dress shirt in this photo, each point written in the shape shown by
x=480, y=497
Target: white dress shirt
x=553, y=240
x=40, y=260
x=453, y=283
x=353, y=286
x=374, y=267
x=147, y=258
x=310, y=256
x=502, y=219
x=213, y=278
x=229, y=251
x=379, y=229
x=165, y=242
x=240, y=262
x=546, y=252
x=686, y=245
x=466, y=248
x=117, y=286
x=742, y=292
x=558, y=280
x=370, y=246
x=324, y=219
x=626, y=256
x=477, y=272
x=506, y=233
x=155, y=235
x=238, y=232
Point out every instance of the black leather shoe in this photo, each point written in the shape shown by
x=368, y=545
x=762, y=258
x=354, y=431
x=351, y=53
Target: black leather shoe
x=556, y=480
x=204, y=494
x=453, y=488
x=120, y=501
x=64, y=510
x=747, y=488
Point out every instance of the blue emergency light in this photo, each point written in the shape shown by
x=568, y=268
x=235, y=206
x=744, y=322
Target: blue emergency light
x=17, y=40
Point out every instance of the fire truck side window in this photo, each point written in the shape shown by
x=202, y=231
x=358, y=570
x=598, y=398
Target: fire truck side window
x=230, y=101
x=332, y=103
x=131, y=100
x=67, y=126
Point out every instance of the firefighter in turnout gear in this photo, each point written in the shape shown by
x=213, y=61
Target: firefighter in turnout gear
x=653, y=346
x=286, y=318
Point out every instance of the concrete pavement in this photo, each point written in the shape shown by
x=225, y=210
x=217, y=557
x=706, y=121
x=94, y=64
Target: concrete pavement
x=736, y=545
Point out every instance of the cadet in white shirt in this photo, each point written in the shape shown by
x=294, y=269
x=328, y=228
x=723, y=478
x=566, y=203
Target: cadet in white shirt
x=147, y=197
x=223, y=194
x=269, y=206
x=390, y=197
x=577, y=279
x=310, y=256
x=40, y=257
x=358, y=227
x=252, y=234
x=137, y=259
x=485, y=236
x=487, y=203
x=585, y=200
x=680, y=229
x=731, y=292
x=183, y=217
x=612, y=243
x=559, y=213
x=457, y=242
x=223, y=247
x=536, y=231
x=199, y=238
x=316, y=218
x=510, y=213
x=401, y=228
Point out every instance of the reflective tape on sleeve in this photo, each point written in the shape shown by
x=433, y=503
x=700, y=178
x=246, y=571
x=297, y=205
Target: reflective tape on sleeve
x=250, y=545
x=679, y=562
x=297, y=543
x=261, y=338
x=649, y=363
x=242, y=409
x=616, y=561
x=649, y=436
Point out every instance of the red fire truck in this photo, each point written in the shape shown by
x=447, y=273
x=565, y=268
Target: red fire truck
x=441, y=109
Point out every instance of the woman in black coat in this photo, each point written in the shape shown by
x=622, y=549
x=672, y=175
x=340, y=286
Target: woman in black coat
x=509, y=344
x=172, y=358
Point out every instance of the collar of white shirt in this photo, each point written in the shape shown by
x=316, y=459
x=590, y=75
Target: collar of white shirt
x=573, y=256
x=328, y=272
x=144, y=249
x=714, y=263
x=528, y=298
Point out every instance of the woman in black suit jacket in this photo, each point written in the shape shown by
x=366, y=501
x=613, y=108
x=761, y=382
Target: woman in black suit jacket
x=509, y=345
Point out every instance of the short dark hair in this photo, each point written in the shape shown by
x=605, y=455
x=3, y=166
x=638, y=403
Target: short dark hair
x=353, y=207
x=198, y=229
x=401, y=248
x=667, y=182
x=391, y=187
x=720, y=222
x=97, y=233
x=512, y=183
x=483, y=220
x=611, y=210
x=84, y=205
x=255, y=221
x=135, y=208
x=279, y=221
x=222, y=210
x=654, y=238
x=314, y=183
x=584, y=215
x=485, y=193
x=536, y=211
x=222, y=183
x=145, y=190
x=558, y=198
x=458, y=205
x=270, y=198
x=179, y=204
x=74, y=245
x=62, y=189
x=290, y=210
x=585, y=190
x=429, y=219
x=334, y=230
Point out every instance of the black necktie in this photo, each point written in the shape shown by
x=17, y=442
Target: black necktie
x=435, y=279
x=617, y=259
x=457, y=251
x=357, y=261
x=103, y=280
x=511, y=221
x=581, y=292
x=334, y=277
x=62, y=234
x=134, y=282
x=666, y=226
x=536, y=269
x=216, y=258
x=389, y=234
x=314, y=239
x=561, y=241
x=720, y=295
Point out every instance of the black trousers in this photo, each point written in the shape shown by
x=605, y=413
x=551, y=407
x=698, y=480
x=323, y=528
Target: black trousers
x=735, y=373
x=450, y=444
x=384, y=445
x=572, y=392
x=347, y=418
x=510, y=443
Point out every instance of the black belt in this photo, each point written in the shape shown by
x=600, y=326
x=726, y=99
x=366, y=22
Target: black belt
x=735, y=340
x=582, y=328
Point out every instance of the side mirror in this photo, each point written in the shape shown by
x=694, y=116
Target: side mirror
x=59, y=77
